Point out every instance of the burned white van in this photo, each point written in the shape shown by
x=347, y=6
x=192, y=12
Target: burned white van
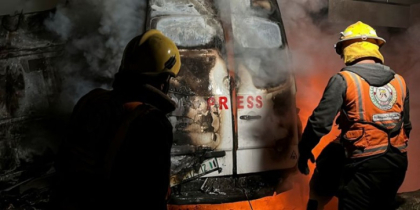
x=236, y=126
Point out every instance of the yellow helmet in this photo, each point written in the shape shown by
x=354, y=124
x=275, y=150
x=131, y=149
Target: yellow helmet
x=151, y=53
x=357, y=32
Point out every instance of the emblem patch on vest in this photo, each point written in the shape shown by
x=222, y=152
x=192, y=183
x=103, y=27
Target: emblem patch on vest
x=383, y=97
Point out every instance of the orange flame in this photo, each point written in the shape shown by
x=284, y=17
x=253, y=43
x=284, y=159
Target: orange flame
x=315, y=86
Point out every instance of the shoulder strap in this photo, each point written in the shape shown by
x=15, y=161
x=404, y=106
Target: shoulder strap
x=136, y=109
x=402, y=84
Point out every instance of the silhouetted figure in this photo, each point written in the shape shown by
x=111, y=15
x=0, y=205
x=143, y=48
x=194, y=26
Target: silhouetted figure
x=117, y=154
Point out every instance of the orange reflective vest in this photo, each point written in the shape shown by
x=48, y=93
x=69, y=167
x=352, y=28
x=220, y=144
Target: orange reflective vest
x=372, y=117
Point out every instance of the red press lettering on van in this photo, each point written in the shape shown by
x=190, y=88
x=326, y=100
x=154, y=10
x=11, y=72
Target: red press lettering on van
x=222, y=102
x=240, y=101
x=210, y=102
x=250, y=102
x=259, y=102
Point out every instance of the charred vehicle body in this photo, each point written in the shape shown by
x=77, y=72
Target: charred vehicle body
x=235, y=128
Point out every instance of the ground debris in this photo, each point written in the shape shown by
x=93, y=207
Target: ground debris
x=409, y=200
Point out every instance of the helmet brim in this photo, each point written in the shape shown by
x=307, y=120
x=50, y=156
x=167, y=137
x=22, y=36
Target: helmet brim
x=377, y=40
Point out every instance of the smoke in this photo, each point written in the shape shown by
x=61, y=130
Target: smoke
x=258, y=46
x=401, y=52
x=95, y=33
x=262, y=66
x=310, y=40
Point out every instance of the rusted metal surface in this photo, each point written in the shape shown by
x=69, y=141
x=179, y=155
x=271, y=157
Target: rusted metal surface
x=225, y=15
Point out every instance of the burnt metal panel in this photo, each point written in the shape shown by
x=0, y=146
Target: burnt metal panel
x=191, y=31
x=373, y=13
x=29, y=88
x=22, y=35
x=182, y=7
x=29, y=85
x=10, y=7
x=202, y=129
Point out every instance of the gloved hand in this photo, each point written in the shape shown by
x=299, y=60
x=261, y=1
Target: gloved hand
x=305, y=154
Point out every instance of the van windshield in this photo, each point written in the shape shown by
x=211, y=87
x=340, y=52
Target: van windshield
x=255, y=32
x=191, y=31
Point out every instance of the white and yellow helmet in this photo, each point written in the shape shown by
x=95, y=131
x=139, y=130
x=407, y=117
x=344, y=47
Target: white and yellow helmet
x=357, y=32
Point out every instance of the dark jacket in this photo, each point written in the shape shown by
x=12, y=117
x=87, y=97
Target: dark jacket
x=140, y=172
x=322, y=118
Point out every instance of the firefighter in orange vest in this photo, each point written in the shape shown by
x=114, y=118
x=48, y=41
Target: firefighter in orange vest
x=117, y=154
x=367, y=163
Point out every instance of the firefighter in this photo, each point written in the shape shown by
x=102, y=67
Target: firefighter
x=117, y=154
x=365, y=166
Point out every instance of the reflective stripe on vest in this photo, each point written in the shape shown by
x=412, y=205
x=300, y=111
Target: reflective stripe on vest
x=359, y=95
x=371, y=113
x=376, y=150
x=402, y=85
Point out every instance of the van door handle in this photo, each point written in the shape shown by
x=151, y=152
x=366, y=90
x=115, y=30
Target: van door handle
x=250, y=117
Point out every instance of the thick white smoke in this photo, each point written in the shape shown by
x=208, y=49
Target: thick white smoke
x=95, y=33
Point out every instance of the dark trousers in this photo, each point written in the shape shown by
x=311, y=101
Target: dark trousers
x=362, y=184
x=374, y=183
